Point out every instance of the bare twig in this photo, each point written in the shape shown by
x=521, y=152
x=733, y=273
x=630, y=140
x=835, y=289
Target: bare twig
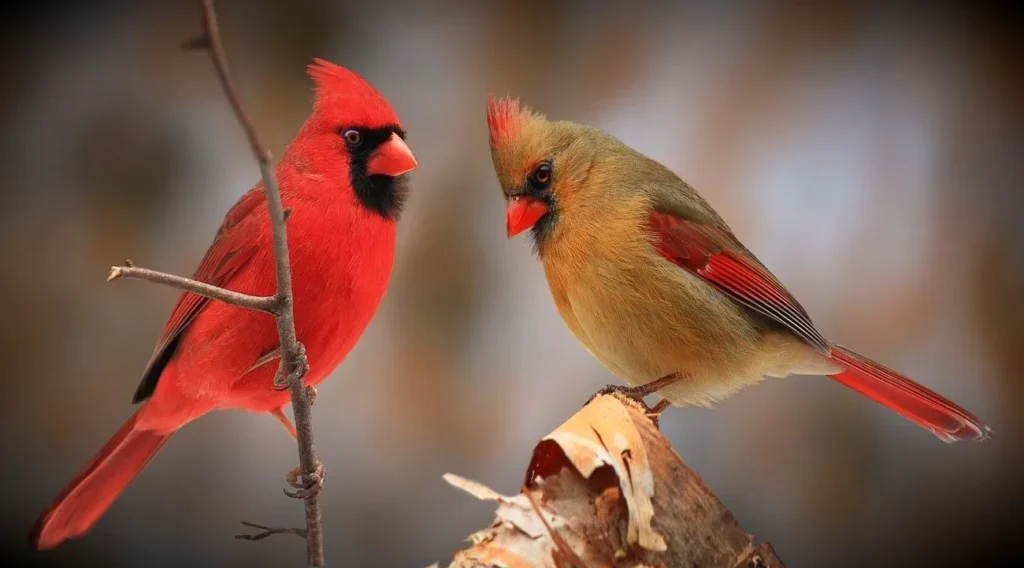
x=268, y=531
x=293, y=360
x=266, y=304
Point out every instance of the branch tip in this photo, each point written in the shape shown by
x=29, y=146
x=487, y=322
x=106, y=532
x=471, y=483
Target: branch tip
x=267, y=304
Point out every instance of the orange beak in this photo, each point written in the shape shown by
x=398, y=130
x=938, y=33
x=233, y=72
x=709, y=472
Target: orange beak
x=523, y=213
x=392, y=158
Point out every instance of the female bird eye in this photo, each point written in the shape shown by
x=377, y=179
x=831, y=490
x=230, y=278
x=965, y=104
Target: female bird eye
x=353, y=137
x=541, y=174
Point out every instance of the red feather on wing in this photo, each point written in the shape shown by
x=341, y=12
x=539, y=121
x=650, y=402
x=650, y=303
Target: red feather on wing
x=716, y=256
x=226, y=256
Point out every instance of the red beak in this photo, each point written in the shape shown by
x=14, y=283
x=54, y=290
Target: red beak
x=523, y=213
x=392, y=158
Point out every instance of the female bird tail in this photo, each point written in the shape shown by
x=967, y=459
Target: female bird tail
x=88, y=496
x=926, y=408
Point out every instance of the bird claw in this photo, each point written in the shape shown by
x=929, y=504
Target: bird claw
x=632, y=393
x=309, y=488
x=283, y=380
x=638, y=393
x=655, y=413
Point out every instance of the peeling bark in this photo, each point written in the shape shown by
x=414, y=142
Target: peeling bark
x=606, y=489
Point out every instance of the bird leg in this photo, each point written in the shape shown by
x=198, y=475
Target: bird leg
x=306, y=488
x=638, y=393
x=278, y=413
x=655, y=413
x=267, y=357
x=662, y=405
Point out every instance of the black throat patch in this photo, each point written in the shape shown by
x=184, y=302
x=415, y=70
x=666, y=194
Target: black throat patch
x=384, y=195
x=542, y=229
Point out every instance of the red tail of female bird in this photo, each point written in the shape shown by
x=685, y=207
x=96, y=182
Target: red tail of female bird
x=88, y=496
x=909, y=399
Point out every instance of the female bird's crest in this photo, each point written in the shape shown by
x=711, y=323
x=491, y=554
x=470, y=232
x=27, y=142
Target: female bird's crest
x=514, y=144
x=506, y=119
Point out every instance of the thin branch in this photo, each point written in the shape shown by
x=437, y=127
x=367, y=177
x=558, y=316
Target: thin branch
x=211, y=41
x=268, y=531
x=266, y=304
x=293, y=360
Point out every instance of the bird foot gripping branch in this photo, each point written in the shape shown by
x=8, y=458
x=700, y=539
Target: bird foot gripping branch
x=637, y=394
x=285, y=378
x=309, y=487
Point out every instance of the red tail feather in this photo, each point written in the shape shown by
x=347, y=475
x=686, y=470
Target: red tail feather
x=905, y=397
x=74, y=512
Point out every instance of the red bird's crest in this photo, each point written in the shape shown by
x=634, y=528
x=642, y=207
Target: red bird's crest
x=505, y=119
x=333, y=76
x=347, y=96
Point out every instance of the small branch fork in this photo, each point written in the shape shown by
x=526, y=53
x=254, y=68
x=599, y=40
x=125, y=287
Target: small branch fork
x=268, y=531
x=293, y=366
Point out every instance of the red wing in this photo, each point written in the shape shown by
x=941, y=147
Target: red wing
x=715, y=255
x=227, y=255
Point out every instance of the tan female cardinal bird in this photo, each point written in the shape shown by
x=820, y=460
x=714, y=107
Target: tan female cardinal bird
x=656, y=286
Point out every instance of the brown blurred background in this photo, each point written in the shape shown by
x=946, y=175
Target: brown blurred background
x=870, y=154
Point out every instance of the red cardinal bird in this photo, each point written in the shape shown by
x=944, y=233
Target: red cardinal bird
x=656, y=286
x=342, y=177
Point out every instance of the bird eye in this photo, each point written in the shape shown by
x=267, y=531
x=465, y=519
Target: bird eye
x=541, y=175
x=352, y=137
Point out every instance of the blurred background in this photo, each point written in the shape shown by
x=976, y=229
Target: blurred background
x=870, y=154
